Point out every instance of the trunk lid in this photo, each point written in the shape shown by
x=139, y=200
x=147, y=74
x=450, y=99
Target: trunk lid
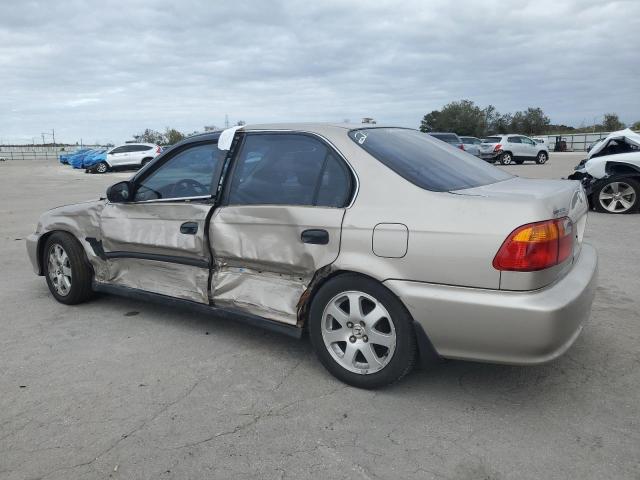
x=537, y=200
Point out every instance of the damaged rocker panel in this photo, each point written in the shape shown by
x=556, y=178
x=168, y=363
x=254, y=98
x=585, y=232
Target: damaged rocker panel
x=219, y=312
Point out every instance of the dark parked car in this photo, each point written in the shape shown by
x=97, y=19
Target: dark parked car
x=450, y=138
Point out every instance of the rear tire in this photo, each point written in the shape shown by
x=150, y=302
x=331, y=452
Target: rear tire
x=618, y=195
x=102, y=167
x=542, y=158
x=506, y=158
x=66, y=268
x=361, y=332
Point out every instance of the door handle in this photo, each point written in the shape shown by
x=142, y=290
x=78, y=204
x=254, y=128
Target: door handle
x=189, y=228
x=315, y=237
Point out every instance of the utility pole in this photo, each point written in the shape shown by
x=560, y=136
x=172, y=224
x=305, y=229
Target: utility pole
x=226, y=120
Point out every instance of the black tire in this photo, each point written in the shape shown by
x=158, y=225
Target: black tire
x=81, y=271
x=102, y=167
x=506, y=158
x=601, y=204
x=405, y=353
x=542, y=157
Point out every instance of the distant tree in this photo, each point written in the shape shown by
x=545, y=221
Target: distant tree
x=636, y=126
x=149, y=136
x=463, y=117
x=240, y=123
x=612, y=122
x=171, y=136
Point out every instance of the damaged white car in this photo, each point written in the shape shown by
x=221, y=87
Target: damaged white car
x=386, y=245
x=611, y=173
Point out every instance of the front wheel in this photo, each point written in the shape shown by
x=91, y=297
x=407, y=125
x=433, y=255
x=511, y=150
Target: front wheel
x=361, y=332
x=102, y=167
x=617, y=195
x=506, y=158
x=542, y=158
x=67, y=269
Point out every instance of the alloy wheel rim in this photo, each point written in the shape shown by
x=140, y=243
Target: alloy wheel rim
x=617, y=197
x=102, y=168
x=542, y=158
x=358, y=332
x=59, y=270
x=506, y=159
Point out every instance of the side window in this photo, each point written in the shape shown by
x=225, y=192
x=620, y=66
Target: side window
x=139, y=148
x=335, y=184
x=514, y=140
x=287, y=169
x=188, y=173
x=528, y=141
x=118, y=150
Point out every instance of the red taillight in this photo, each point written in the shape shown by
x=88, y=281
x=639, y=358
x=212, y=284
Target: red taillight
x=536, y=246
x=497, y=147
x=158, y=150
x=461, y=146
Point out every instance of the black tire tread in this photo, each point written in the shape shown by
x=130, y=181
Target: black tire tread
x=387, y=376
x=82, y=273
x=617, y=178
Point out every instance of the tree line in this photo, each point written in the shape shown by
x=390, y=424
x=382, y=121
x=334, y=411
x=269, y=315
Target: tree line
x=464, y=117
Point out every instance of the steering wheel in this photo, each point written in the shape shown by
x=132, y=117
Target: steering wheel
x=188, y=187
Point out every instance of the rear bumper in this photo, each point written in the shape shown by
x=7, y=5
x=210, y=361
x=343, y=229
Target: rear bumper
x=518, y=328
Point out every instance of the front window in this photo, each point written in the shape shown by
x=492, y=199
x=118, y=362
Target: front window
x=189, y=173
x=425, y=162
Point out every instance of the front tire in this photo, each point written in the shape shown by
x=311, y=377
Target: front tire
x=506, y=158
x=67, y=269
x=618, y=195
x=361, y=332
x=102, y=167
x=542, y=158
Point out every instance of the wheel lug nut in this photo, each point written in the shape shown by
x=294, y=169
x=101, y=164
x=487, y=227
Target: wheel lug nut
x=352, y=339
x=365, y=338
x=349, y=325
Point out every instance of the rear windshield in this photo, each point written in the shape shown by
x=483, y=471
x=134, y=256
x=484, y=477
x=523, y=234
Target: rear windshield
x=467, y=140
x=491, y=140
x=425, y=162
x=445, y=137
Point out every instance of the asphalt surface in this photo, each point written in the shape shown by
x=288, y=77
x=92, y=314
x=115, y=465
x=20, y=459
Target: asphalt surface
x=127, y=390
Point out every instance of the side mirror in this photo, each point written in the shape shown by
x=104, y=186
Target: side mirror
x=120, y=192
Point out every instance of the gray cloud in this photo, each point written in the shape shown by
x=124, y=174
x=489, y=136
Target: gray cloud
x=102, y=70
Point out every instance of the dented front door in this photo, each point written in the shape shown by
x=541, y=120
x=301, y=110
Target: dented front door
x=157, y=242
x=279, y=223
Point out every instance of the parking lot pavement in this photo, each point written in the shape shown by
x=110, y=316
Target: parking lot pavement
x=122, y=389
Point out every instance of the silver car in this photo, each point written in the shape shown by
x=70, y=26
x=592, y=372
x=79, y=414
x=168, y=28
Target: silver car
x=471, y=145
x=386, y=245
x=512, y=148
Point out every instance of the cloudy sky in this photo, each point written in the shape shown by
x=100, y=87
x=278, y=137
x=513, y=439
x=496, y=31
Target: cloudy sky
x=103, y=70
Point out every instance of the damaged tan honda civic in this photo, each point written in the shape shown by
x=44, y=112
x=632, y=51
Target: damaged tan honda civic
x=388, y=246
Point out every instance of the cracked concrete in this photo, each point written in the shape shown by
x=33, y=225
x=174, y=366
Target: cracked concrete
x=86, y=389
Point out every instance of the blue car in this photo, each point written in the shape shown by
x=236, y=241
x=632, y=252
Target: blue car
x=79, y=161
x=65, y=158
x=93, y=158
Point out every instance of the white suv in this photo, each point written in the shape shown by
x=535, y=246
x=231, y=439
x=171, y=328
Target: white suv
x=512, y=148
x=129, y=155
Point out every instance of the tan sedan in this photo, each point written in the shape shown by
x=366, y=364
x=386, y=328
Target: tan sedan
x=386, y=245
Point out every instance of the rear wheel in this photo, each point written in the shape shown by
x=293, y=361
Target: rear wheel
x=102, y=167
x=66, y=269
x=617, y=195
x=506, y=158
x=361, y=332
x=542, y=158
